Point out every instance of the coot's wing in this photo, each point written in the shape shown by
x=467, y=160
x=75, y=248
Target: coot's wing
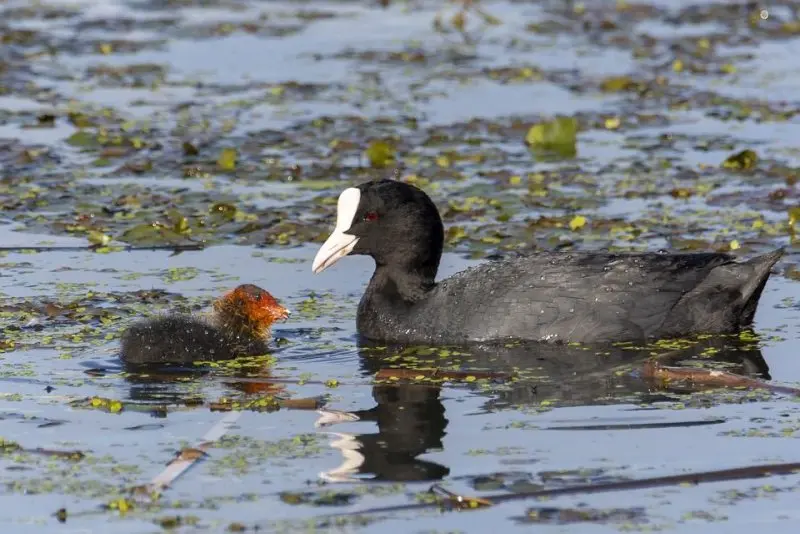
x=566, y=297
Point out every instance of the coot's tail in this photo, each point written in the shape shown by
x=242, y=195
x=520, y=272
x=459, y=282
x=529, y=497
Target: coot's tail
x=759, y=268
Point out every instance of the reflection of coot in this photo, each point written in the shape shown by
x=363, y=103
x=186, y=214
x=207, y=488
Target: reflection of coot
x=410, y=422
x=553, y=297
x=411, y=417
x=239, y=326
x=574, y=375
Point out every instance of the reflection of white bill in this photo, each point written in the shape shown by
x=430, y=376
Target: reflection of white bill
x=332, y=417
x=349, y=446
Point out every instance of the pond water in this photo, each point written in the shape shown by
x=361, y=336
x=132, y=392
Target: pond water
x=114, y=116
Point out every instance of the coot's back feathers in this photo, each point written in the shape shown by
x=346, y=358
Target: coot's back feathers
x=568, y=297
x=553, y=297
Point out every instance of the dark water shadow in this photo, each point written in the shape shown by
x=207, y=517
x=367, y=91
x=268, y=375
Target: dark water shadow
x=411, y=418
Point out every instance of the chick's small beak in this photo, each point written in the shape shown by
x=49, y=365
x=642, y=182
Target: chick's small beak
x=337, y=246
x=282, y=313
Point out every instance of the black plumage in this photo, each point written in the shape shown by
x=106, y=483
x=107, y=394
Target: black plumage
x=183, y=339
x=238, y=326
x=547, y=296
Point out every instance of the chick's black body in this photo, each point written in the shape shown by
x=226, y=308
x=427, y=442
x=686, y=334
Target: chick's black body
x=549, y=296
x=239, y=326
x=183, y=339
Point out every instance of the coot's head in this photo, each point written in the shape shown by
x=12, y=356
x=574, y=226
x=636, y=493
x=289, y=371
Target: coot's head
x=249, y=308
x=394, y=222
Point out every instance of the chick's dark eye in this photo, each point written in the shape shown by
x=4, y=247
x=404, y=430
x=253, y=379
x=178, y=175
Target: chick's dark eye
x=371, y=216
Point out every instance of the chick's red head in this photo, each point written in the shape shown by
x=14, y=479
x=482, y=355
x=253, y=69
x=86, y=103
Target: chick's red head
x=253, y=303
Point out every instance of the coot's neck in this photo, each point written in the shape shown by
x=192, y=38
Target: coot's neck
x=401, y=283
x=407, y=261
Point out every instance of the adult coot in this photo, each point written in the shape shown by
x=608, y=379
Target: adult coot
x=554, y=297
x=239, y=325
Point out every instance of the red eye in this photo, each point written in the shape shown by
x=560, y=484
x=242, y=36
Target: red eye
x=371, y=216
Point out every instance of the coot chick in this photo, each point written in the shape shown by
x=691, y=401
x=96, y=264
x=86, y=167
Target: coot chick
x=547, y=296
x=238, y=326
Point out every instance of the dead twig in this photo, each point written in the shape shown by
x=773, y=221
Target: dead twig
x=453, y=501
x=184, y=459
x=710, y=378
x=91, y=248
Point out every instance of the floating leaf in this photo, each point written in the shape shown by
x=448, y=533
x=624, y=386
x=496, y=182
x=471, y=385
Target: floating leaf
x=459, y=21
x=227, y=159
x=82, y=138
x=455, y=234
x=121, y=504
x=223, y=212
x=689, y=244
x=80, y=120
x=380, y=154
x=488, y=18
x=189, y=149
x=179, y=223
x=139, y=166
x=98, y=238
x=46, y=120
x=114, y=152
x=577, y=222
x=741, y=161
x=444, y=160
x=794, y=216
x=615, y=84
x=150, y=234
x=558, y=136
x=681, y=192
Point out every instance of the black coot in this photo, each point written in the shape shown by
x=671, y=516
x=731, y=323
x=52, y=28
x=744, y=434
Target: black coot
x=238, y=326
x=553, y=297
